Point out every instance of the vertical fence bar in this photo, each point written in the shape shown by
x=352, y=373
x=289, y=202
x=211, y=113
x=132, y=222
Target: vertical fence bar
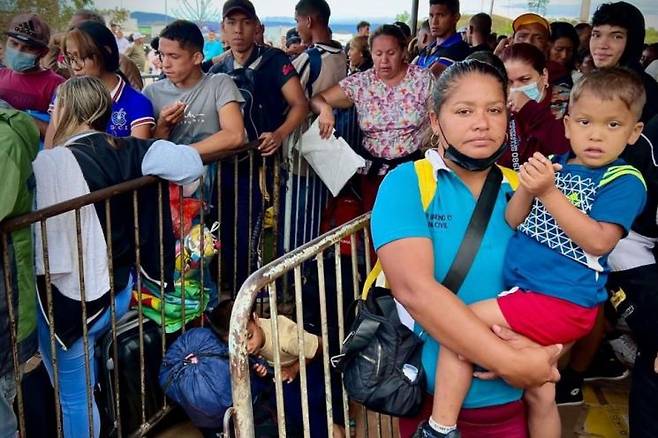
x=13, y=332
x=276, y=207
x=140, y=313
x=51, y=327
x=296, y=220
x=235, y=225
x=341, y=326
x=202, y=248
x=220, y=236
x=85, y=330
x=182, y=256
x=325, y=343
x=250, y=210
x=302, y=357
x=113, y=315
x=306, y=187
x=163, y=340
x=278, y=384
x=355, y=284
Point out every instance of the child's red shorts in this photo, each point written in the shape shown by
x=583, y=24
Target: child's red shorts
x=545, y=319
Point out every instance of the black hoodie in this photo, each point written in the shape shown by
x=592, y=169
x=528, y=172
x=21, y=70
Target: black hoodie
x=628, y=17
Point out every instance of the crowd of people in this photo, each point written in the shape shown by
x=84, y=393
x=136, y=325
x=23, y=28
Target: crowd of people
x=571, y=110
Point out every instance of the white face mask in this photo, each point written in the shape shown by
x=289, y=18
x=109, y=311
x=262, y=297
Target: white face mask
x=531, y=90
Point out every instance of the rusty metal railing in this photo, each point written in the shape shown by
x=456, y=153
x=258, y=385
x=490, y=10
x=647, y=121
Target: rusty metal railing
x=240, y=184
x=319, y=255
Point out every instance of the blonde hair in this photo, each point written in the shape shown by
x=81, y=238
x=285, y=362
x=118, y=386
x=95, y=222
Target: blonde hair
x=81, y=101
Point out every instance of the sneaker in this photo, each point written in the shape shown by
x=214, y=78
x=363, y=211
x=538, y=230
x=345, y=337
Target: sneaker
x=425, y=431
x=606, y=366
x=625, y=349
x=568, y=393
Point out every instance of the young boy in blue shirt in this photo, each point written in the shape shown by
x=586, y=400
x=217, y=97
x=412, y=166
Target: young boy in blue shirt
x=569, y=212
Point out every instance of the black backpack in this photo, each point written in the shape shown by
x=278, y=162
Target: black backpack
x=256, y=119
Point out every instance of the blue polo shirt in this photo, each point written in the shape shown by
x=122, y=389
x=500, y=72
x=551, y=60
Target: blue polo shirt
x=398, y=214
x=447, y=53
x=541, y=257
x=130, y=109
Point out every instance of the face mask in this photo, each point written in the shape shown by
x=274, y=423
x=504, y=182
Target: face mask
x=531, y=90
x=19, y=61
x=472, y=164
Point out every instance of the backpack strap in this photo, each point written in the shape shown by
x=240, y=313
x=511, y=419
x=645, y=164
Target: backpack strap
x=510, y=176
x=426, y=181
x=314, y=63
x=427, y=187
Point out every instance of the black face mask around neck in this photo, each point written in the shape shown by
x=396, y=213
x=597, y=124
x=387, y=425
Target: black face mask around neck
x=468, y=163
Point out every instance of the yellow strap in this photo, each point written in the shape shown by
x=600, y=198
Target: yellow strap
x=426, y=181
x=427, y=188
x=370, y=280
x=511, y=176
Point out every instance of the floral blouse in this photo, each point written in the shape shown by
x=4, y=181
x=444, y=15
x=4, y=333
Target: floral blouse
x=392, y=118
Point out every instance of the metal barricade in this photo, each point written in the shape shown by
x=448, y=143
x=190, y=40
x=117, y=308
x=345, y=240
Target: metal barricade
x=327, y=253
x=240, y=184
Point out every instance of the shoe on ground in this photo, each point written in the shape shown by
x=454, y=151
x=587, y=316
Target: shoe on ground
x=569, y=392
x=606, y=366
x=625, y=349
x=425, y=431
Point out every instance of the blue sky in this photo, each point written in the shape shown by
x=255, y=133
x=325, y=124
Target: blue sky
x=389, y=8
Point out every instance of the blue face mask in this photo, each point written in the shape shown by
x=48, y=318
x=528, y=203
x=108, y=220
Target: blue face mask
x=19, y=61
x=531, y=90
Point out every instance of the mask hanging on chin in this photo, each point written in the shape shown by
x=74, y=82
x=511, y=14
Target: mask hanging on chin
x=469, y=163
x=19, y=61
x=531, y=90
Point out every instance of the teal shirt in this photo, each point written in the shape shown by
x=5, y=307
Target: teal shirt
x=398, y=214
x=212, y=49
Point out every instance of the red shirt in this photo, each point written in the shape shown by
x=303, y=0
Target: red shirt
x=29, y=91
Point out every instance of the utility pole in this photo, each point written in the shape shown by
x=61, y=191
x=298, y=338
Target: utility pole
x=584, y=10
x=491, y=8
x=414, y=17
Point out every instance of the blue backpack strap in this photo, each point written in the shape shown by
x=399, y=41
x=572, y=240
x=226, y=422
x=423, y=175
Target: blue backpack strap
x=315, y=66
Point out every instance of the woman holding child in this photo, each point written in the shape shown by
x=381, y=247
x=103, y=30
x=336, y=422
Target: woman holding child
x=469, y=123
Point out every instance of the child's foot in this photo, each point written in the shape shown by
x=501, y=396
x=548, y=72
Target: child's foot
x=426, y=431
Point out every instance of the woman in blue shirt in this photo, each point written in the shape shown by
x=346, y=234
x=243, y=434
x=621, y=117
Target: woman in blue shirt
x=90, y=49
x=416, y=248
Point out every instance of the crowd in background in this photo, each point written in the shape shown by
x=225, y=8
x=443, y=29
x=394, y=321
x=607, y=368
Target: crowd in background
x=75, y=104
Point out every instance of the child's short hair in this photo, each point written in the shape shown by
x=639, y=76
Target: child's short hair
x=187, y=34
x=613, y=83
x=219, y=319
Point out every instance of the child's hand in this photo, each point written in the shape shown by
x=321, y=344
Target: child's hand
x=260, y=370
x=289, y=373
x=537, y=175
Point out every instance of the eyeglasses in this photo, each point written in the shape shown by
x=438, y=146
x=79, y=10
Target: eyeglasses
x=75, y=61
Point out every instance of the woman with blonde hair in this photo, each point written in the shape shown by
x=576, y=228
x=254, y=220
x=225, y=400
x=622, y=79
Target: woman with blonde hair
x=87, y=159
x=90, y=49
x=359, y=55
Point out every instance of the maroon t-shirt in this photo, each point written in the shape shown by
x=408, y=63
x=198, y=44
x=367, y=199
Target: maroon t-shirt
x=29, y=91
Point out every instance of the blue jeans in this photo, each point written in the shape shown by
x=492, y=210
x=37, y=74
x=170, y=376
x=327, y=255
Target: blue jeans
x=71, y=370
x=8, y=424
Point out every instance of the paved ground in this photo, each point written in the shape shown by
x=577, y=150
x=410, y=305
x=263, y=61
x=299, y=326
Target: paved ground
x=604, y=415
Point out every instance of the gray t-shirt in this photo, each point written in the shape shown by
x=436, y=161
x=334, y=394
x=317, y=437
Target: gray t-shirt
x=204, y=100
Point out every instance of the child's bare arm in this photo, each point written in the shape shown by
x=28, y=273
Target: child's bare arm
x=596, y=238
x=518, y=207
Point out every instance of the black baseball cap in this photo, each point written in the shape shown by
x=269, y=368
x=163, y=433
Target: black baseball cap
x=244, y=6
